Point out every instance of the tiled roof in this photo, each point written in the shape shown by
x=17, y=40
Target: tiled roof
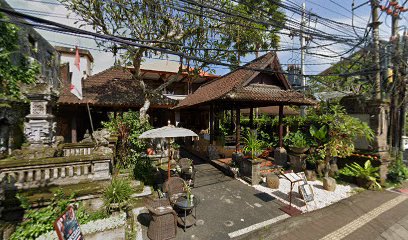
x=236, y=86
x=111, y=87
x=270, y=94
x=219, y=87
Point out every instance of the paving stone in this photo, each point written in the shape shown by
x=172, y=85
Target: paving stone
x=404, y=222
x=390, y=235
x=399, y=230
x=363, y=216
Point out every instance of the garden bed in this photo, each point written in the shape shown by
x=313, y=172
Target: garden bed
x=323, y=198
x=113, y=227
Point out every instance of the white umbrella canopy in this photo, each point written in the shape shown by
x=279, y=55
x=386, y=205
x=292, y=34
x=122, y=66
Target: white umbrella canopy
x=168, y=132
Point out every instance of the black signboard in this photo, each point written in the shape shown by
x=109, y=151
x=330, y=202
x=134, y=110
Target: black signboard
x=67, y=226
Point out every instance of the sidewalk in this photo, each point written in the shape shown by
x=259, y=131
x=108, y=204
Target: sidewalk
x=367, y=215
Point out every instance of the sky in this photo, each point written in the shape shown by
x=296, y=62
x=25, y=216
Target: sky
x=338, y=10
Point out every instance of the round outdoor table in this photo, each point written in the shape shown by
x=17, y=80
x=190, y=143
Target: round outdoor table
x=187, y=206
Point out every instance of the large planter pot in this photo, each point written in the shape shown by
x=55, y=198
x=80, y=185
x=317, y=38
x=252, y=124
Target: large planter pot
x=298, y=150
x=256, y=154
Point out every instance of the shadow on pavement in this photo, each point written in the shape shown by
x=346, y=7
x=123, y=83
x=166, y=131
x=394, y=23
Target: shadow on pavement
x=264, y=197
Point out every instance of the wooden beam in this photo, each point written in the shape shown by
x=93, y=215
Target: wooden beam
x=211, y=124
x=74, y=137
x=232, y=121
x=251, y=118
x=238, y=129
x=280, y=126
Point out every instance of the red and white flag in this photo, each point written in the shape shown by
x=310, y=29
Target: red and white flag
x=76, y=80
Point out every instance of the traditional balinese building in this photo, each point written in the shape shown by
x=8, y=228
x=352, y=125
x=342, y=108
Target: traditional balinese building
x=260, y=83
x=113, y=90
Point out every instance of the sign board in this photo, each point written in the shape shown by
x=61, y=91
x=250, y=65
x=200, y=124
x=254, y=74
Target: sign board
x=306, y=190
x=67, y=226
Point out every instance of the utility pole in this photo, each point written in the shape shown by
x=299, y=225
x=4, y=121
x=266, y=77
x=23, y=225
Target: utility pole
x=302, y=55
x=376, y=49
x=404, y=69
x=396, y=100
x=398, y=88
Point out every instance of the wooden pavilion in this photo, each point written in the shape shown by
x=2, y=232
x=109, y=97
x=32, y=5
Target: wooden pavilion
x=260, y=83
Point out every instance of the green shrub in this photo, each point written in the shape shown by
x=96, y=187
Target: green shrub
x=118, y=192
x=142, y=168
x=39, y=221
x=360, y=159
x=366, y=172
x=128, y=128
x=297, y=139
x=397, y=172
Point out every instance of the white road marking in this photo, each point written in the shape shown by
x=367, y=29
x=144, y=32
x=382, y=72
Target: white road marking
x=257, y=226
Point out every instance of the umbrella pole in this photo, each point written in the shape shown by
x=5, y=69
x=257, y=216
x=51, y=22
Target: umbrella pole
x=168, y=153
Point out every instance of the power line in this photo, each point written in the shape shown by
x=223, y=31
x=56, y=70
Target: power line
x=200, y=49
x=121, y=40
x=319, y=35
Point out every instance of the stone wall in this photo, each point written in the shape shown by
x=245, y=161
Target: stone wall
x=375, y=114
x=11, y=125
x=26, y=174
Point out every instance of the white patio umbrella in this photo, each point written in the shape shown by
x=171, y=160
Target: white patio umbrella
x=168, y=132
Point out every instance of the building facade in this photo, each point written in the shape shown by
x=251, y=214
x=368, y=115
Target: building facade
x=12, y=113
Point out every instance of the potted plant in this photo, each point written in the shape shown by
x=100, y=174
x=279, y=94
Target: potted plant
x=297, y=142
x=117, y=194
x=366, y=176
x=252, y=145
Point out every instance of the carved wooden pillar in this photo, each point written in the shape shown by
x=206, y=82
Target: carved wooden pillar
x=280, y=126
x=211, y=124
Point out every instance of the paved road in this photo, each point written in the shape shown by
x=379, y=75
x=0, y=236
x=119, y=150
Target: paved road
x=228, y=206
x=367, y=215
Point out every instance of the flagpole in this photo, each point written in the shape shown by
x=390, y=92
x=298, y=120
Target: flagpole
x=90, y=117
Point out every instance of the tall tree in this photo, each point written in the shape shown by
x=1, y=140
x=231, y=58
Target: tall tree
x=348, y=76
x=195, y=27
x=15, y=68
x=252, y=36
